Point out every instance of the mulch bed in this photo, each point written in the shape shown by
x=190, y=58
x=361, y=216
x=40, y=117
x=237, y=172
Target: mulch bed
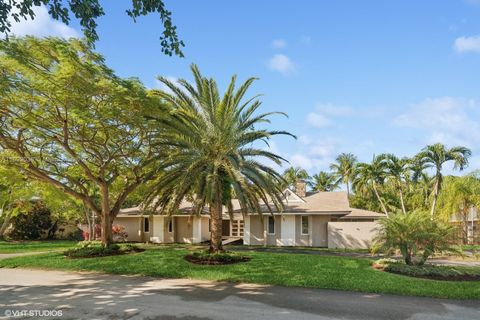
x=196, y=260
x=463, y=277
x=119, y=253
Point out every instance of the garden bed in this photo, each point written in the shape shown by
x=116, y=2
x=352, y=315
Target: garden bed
x=428, y=271
x=95, y=250
x=206, y=258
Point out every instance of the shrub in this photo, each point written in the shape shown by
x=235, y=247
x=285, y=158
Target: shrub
x=434, y=272
x=89, y=249
x=204, y=257
x=31, y=221
x=119, y=233
x=415, y=235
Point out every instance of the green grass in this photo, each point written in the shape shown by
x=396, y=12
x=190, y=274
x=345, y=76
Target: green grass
x=32, y=246
x=300, y=270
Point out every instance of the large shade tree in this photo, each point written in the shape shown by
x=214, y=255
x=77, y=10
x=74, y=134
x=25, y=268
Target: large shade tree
x=435, y=156
x=69, y=121
x=87, y=12
x=344, y=169
x=213, y=142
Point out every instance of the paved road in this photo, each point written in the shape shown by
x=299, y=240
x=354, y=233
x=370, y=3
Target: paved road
x=99, y=296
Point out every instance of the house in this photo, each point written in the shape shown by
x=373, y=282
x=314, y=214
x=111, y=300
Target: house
x=315, y=219
x=467, y=225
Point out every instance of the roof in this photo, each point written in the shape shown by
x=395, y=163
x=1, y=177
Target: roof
x=365, y=214
x=313, y=202
x=331, y=203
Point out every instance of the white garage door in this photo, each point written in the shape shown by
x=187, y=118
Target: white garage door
x=288, y=231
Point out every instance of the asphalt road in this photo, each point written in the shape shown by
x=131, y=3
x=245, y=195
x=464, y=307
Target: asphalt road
x=100, y=296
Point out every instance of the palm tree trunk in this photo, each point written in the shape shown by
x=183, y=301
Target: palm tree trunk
x=380, y=200
x=401, y=200
x=435, y=196
x=348, y=190
x=216, y=223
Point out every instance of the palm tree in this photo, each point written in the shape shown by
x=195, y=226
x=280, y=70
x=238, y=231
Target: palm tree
x=434, y=156
x=294, y=174
x=209, y=141
x=398, y=170
x=324, y=181
x=370, y=176
x=344, y=169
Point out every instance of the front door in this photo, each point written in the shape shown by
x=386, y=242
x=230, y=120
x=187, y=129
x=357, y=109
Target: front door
x=287, y=237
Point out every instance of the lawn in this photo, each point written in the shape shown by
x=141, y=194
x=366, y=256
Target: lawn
x=300, y=270
x=31, y=246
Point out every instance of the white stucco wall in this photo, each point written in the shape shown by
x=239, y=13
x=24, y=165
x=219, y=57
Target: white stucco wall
x=351, y=235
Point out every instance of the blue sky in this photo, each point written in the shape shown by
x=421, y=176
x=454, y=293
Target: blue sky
x=354, y=76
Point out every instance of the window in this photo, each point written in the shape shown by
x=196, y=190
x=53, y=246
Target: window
x=271, y=225
x=305, y=225
x=146, y=225
x=170, y=226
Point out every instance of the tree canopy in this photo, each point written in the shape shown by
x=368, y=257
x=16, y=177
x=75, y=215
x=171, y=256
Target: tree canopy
x=87, y=12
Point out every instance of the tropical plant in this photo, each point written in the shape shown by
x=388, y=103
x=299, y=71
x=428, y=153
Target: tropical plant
x=460, y=195
x=371, y=176
x=212, y=155
x=416, y=236
x=69, y=121
x=435, y=156
x=344, y=169
x=324, y=181
x=87, y=11
x=398, y=170
x=294, y=174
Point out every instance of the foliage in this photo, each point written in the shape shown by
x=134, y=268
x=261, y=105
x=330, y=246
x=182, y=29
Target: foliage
x=292, y=175
x=32, y=221
x=69, y=121
x=344, y=169
x=119, y=233
x=435, y=156
x=87, y=11
x=433, y=271
x=415, y=235
x=205, y=257
x=324, y=181
x=211, y=151
x=32, y=246
x=91, y=249
x=268, y=268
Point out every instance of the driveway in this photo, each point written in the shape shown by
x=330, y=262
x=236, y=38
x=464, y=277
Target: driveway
x=100, y=296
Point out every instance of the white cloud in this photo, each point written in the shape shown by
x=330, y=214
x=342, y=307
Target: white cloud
x=447, y=120
x=316, y=154
x=467, y=44
x=282, y=64
x=299, y=160
x=43, y=25
x=318, y=120
x=279, y=44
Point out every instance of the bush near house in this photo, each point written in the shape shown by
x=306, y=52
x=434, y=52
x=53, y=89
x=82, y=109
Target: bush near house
x=92, y=249
x=32, y=221
x=415, y=235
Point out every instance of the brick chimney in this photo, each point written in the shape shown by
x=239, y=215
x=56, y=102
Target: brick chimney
x=301, y=188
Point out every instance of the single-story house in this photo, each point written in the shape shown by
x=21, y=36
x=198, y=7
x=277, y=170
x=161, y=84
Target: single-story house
x=315, y=219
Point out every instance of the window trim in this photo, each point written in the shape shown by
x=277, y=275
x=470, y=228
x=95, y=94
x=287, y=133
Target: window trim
x=146, y=222
x=268, y=225
x=301, y=226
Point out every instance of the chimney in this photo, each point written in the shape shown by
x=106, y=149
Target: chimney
x=301, y=188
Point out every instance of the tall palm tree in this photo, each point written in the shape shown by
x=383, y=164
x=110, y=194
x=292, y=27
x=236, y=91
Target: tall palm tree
x=398, y=170
x=344, y=168
x=434, y=156
x=211, y=155
x=294, y=174
x=324, y=181
x=370, y=176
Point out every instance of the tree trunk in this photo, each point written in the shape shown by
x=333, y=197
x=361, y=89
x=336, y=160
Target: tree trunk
x=401, y=200
x=348, y=190
x=380, y=200
x=435, y=196
x=216, y=222
x=89, y=223
x=5, y=224
x=107, y=237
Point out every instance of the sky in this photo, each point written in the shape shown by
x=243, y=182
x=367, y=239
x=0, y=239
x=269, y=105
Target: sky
x=365, y=77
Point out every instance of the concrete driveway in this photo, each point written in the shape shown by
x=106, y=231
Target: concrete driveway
x=100, y=296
